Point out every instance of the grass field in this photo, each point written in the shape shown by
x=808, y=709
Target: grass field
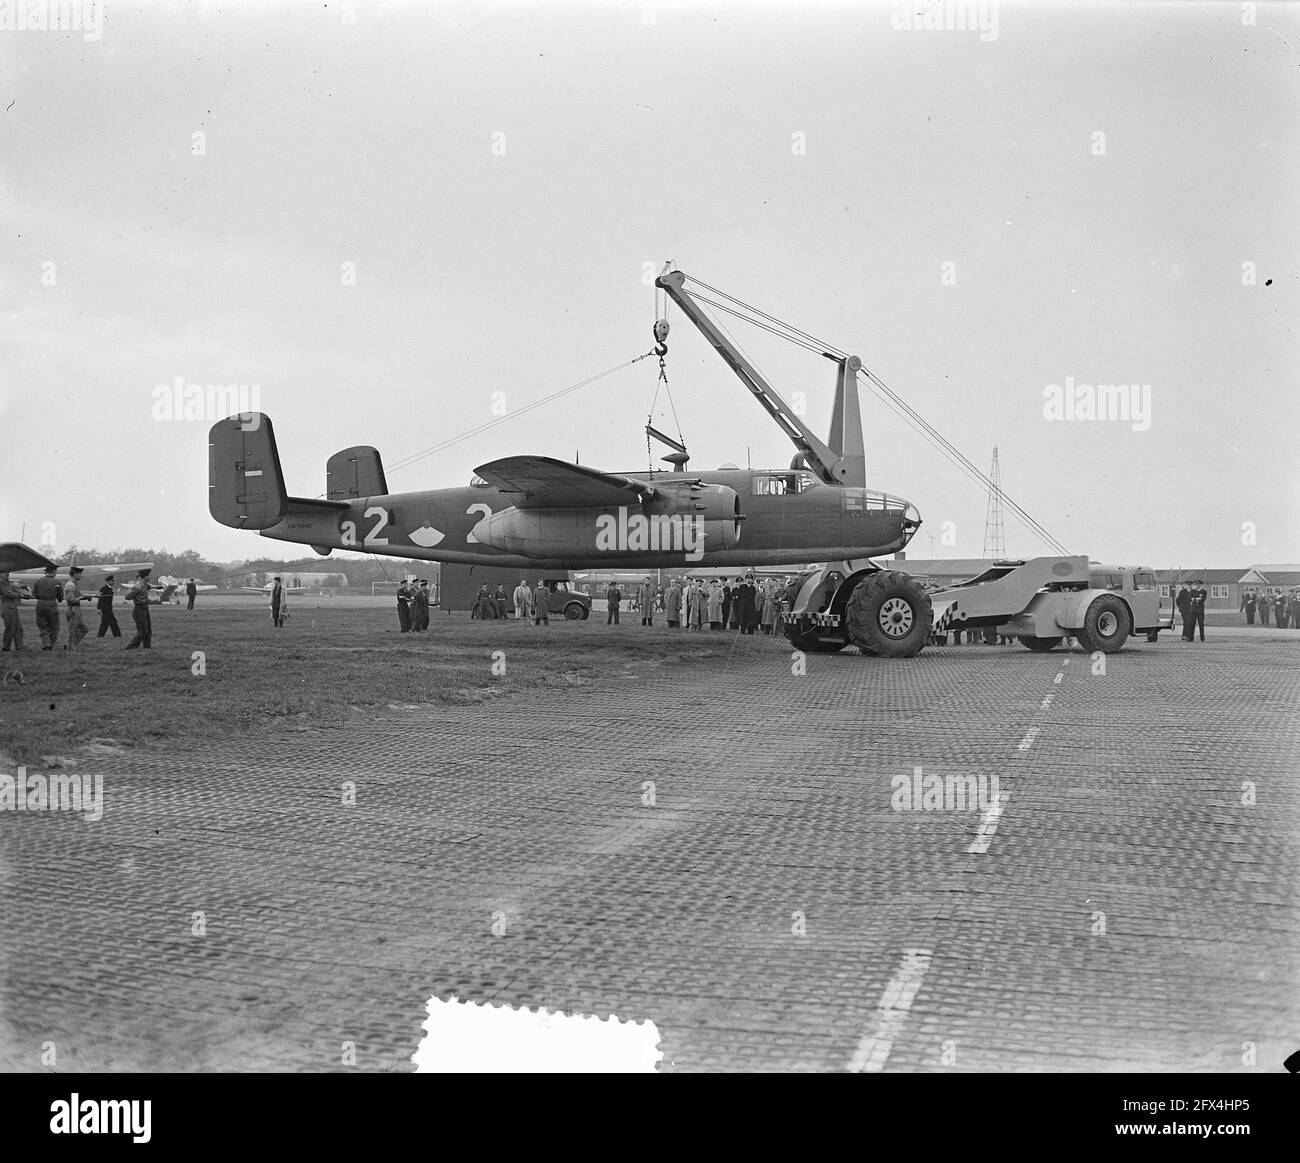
x=224, y=668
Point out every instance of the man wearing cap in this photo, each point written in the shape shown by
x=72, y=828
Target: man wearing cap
x=107, y=619
x=404, y=606
x=138, y=596
x=72, y=597
x=645, y=598
x=1197, y=610
x=48, y=594
x=10, y=595
x=191, y=589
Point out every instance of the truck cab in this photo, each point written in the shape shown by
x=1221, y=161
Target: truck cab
x=564, y=599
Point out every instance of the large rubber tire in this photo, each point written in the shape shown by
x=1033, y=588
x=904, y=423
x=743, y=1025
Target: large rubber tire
x=889, y=614
x=1106, y=626
x=573, y=611
x=1040, y=645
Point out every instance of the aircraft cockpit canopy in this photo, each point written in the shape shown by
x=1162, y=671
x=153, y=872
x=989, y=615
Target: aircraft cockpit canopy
x=777, y=484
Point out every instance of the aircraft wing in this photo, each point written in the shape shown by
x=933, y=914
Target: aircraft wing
x=539, y=482
x=16, y=556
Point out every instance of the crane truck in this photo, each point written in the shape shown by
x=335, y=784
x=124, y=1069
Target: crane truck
x=886, y=612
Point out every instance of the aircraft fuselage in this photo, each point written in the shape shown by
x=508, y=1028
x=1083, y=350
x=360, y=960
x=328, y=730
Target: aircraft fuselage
x=788, y=518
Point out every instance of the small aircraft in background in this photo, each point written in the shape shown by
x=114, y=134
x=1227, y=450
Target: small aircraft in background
x=174, y=587
x=266, y=589
x=26, y=565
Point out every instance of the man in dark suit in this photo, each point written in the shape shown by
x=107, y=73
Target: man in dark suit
x=1197, y=610
x=104, y=603
x=1184, y=604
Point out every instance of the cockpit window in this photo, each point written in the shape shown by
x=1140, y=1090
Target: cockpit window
x=477, y=482
x=780, y=484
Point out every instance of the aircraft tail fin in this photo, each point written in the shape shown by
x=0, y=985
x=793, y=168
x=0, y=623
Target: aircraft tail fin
x=245, y=482
x=355, y=472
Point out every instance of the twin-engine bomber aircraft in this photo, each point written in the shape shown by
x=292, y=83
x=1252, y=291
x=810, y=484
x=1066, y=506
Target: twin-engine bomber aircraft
x=539, y=513
x=543, y=514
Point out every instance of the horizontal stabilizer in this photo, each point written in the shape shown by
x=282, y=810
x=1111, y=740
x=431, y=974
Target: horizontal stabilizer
x=245, y=483
x=354, y=473
x=16, y=556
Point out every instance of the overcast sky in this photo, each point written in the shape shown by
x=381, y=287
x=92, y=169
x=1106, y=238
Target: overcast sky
x=501, y=175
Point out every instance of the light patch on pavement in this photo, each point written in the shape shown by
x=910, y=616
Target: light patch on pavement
x=1058, y=678
x=486, y=1039
x=1028, y=741
x=989, y=822
x=891, y=1013
x=1047, y=700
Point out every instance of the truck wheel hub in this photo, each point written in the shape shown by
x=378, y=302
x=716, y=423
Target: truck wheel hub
x=896, y=617
x=1107, y=624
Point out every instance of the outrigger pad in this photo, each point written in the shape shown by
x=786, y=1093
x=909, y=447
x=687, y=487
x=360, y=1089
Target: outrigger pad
x=245, y=483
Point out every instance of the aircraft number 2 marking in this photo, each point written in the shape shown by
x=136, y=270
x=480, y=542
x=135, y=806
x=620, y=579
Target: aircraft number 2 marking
x=486, y=511
x=373, y=538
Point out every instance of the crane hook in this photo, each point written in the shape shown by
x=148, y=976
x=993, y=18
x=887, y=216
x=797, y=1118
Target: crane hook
x=660, y=331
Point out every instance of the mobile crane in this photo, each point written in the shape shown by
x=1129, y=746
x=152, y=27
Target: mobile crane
x=887, y=612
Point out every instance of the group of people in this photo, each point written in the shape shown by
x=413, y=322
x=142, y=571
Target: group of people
x=1284, y=609
x=59, y=601
x=744, y=605
x=413, y=600
x=531, y=604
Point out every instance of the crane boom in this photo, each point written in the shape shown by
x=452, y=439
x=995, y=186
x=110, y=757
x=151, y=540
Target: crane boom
x=845, y=465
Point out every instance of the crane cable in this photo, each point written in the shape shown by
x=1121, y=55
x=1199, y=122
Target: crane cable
x=932, y=435
x=406, y=462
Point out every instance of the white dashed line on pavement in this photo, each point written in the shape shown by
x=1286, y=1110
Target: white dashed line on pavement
x=1028, y=741
x=1047, y=700
x=1058, y=678
x=891, y=1013
x=989, y=822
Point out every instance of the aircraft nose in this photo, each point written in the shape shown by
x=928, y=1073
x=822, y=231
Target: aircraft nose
x=911, y=518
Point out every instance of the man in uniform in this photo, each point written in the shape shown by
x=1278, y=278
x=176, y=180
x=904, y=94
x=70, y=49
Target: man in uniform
x=1248, y=604
x=425, y=595
x=613, y=599
x=419, y=607
x=744, y=605
x=541, y=604
x=499, y=601
x=404, y=606
x=48, y=594
x=190, y=591
x=72, y=597
x=645, y=596
x=1264, y=607
x=1184, y=605
x=138, y=596
x=1197, y=609
x=107, y=619
x=10, y=595
x=1280, y=611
